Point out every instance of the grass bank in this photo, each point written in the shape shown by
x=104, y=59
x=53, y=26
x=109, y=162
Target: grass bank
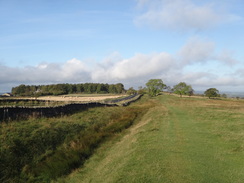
x=41, y=150
x=179, y=140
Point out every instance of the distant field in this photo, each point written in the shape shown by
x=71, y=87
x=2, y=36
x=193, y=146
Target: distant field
x=57, y=100
x=179, y=140
x=80, y=97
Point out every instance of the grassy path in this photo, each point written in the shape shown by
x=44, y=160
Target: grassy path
x=180, y=140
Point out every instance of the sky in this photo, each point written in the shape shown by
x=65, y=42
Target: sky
x=199, y=42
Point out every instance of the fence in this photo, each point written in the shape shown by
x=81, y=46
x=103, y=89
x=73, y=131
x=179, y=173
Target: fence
x=20, y=112
x=16, y=113
x=126, y=100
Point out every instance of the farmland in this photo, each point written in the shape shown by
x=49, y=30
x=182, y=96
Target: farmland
x=81, y=98
x=57, y=100
x=156, y=139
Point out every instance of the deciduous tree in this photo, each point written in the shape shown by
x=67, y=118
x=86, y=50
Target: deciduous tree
x=155, y=86
x=183, y=89
x=211, y=92
x=131, y=91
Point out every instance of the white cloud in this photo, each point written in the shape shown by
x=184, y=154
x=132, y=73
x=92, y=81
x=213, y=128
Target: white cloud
x=136, y=70
x=141, y=3
x=71, y=71
x=202, y=51
x=180, y=15
x=226, y=56
x=136, y=67
x=239, y=72
x=196, y=50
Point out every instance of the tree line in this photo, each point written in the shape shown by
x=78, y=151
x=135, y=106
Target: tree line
x=62, y=89
x=155, y=86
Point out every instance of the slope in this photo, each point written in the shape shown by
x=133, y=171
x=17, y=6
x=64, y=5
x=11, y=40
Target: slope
x=178, y=140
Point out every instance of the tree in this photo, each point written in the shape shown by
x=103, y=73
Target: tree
x=131, y=91
x=224, y=95
x=112, y=88
x=119, y=88
x=155, y=86
x=20, y=90
x=102, y=89
x=60, y=89
x=211, y=92
x=169, y=89
x=183, y=89
x=190, y=92
x=141, y=90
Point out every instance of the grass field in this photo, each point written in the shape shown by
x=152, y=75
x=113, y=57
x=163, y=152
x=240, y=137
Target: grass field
x=179, y=140
x=42, y=149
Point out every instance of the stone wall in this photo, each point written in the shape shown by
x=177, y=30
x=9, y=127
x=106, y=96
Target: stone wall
x=16, y=113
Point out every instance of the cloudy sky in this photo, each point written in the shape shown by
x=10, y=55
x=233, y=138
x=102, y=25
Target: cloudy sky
x=199, y=42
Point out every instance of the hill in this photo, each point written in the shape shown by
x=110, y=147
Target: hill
x=41, y=149
x=178, y=140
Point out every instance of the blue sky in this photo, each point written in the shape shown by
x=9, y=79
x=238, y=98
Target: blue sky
x=131, y=41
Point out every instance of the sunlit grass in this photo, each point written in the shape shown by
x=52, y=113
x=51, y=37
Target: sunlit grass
x=178, y=140
x=38, y=150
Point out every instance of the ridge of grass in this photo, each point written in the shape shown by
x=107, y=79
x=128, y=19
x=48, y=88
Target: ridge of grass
x=179, y=140
x=41, y=150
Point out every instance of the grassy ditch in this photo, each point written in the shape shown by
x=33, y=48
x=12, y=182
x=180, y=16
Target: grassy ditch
x=41, y=150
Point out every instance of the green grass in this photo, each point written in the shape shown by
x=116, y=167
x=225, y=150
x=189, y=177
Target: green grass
x=179, y=140
x=39, y=150
x=29, y=103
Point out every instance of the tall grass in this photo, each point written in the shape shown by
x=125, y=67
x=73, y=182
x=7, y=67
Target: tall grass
x=39, y=150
